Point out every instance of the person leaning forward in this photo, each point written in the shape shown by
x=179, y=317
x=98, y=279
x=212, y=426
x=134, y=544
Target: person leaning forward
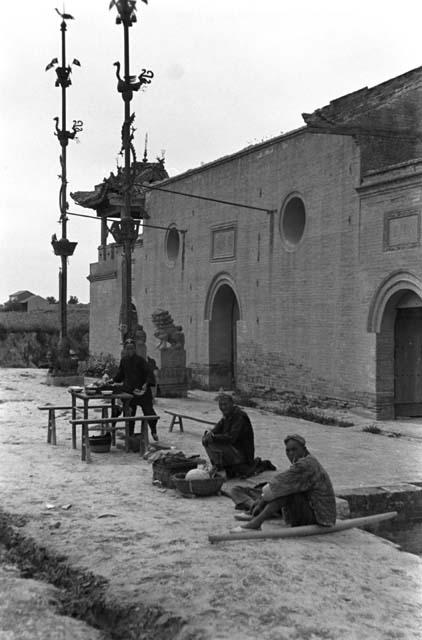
x=230, y=444
x=303, y=493
x=136, y=376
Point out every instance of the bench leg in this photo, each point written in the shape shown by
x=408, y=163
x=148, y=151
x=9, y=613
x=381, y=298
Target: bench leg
x=85, y=449
x=172, y=423
x=176, y=420
x=144, y=441
x=49, y=427
x=73, y=436
x=127, y=436
x=53, y=429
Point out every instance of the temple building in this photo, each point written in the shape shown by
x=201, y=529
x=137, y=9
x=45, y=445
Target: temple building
x=317, y=287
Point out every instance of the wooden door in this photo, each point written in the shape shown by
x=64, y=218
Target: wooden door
x=408, y=362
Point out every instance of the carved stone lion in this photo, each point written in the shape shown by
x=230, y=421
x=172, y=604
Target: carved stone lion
x=169, y=334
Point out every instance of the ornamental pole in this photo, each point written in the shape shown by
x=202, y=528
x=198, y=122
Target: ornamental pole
x=63, y=365
x=126, y=232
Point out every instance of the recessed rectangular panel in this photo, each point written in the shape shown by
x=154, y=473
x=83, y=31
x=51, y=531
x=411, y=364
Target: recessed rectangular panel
x=223, y=242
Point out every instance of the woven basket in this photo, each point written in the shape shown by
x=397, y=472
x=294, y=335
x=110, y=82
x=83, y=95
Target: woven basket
x=206, y=487
x=100, y=444
x=165, y=472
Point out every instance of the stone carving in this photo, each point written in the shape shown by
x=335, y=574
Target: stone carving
x=172, y=377
x=169, y=334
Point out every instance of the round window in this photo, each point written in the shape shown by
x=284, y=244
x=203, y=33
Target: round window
x=172, y=244
x=292, y=221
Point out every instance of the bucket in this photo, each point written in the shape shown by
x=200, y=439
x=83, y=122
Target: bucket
x=100, y=444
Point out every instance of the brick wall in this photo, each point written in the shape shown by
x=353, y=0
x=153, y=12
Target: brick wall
x=304, y=313
x=300, y=314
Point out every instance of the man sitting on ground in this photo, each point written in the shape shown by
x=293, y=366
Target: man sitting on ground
x=303, y=493
x=230, y=444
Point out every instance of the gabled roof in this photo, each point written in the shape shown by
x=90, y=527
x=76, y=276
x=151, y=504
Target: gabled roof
x=21, y=296
x=392, y=109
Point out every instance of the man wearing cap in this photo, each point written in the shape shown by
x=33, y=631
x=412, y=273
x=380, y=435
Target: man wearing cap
x=303, y=493
x=230, y=444
x=137, y=378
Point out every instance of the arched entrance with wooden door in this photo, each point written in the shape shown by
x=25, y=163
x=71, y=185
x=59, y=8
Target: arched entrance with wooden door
x=222, y=312
x=396, y=317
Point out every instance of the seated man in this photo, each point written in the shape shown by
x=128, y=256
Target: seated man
x=136, y=376
x=303, y=493
x=230, y=444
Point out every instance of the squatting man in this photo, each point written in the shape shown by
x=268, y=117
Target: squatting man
x=303, y=494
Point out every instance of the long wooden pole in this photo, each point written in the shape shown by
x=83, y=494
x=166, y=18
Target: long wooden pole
x=308, y=530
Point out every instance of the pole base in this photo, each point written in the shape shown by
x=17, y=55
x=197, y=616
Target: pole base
x=64, y=379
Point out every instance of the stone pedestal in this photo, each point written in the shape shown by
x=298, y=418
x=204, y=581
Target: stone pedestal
x=173, y=378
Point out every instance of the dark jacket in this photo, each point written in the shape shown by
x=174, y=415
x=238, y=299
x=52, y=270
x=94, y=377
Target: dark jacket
x=133, y=372
x=236, y=430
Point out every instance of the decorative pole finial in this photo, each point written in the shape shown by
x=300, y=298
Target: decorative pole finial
x=63, y=247
x=126, y=231
x=145, y=158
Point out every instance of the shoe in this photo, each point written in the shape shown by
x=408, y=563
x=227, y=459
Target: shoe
x=154, y=436
x=243, y=517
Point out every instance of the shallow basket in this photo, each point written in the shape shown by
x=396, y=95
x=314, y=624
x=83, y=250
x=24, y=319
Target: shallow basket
x=100, y=444
x=165, y=472
x=206, y=487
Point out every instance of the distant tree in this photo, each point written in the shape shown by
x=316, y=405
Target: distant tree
x=73, y=300
x=51, y=300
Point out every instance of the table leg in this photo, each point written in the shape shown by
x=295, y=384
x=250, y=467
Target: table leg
x=113, y=424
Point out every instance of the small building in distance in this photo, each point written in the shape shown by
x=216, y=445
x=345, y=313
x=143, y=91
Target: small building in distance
x=316, y=290
x=27, y=301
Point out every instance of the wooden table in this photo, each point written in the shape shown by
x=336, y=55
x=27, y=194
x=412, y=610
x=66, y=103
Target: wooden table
x=109, y=397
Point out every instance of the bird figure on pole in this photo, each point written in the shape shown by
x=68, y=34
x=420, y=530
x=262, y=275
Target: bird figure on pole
x=65, y=16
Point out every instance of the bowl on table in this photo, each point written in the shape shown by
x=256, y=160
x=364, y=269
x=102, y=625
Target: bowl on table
x=91, y=391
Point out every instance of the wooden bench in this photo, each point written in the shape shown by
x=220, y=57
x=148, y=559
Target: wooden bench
x=177, y=418
x=93, y=424
x=51, y=424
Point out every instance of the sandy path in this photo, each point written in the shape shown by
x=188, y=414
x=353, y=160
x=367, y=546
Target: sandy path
x=348, y=585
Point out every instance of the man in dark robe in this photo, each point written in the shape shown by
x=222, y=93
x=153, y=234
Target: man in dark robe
x=230, y=444
x=303, y=494
x=137, y=378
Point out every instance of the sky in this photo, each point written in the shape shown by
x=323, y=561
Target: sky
x=227, y=74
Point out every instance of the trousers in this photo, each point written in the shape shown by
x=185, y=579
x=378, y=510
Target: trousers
x=295, y=508
x=223, y=455
x=146, y=404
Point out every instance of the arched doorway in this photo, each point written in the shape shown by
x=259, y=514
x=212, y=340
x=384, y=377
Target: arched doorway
x=224, y=314
x=408, y=356
x=396, y=316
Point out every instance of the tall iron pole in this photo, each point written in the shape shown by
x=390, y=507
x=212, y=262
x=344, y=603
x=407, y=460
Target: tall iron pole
x=127, y=231
x=63, y=247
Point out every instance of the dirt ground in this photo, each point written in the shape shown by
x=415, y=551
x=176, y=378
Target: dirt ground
x=152, y=547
